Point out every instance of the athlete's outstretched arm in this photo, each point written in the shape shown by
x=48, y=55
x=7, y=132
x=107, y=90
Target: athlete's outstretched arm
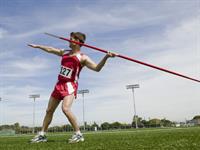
x=48, y=49
x=97, y=67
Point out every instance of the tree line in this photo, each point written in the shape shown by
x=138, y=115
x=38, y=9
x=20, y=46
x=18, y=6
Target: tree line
x=142, y=123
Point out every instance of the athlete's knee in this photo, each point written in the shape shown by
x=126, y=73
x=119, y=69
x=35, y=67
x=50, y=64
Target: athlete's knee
x=66, y=110
x=49, y=111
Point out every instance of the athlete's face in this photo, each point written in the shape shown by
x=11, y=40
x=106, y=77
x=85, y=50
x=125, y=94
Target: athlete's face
x=71, y=44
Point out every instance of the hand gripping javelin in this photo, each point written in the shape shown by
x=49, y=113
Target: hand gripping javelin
x=127, y=58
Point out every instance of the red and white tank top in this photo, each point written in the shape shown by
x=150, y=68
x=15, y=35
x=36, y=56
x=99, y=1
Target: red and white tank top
x=70, y=67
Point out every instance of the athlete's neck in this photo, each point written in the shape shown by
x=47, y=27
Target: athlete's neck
x=75, y=51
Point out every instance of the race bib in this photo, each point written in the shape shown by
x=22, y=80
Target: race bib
x=66, y=72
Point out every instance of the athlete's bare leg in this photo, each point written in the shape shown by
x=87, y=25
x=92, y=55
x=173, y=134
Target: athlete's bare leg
x=53, y=103
x=66, y=108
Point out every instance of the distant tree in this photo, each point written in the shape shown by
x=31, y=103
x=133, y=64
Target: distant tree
x=37, y=129
x=155, y=122
x=115, y=125
x=55, y=129
x=126, y=126
x=88, y=127
x=25, y=129
x=105, y=126
x=166, y=123
x=17, y=127
x=67, y=127
x=145, y=123
x=139, y=122
x=94, y=125
x=196, y=117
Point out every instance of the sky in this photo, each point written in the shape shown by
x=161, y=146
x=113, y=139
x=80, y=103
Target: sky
x=165, y=33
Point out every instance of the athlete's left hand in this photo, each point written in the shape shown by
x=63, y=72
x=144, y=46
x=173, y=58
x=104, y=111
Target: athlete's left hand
x=111, y=54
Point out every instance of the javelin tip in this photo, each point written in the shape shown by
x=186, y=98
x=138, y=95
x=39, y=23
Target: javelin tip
x=52, y=35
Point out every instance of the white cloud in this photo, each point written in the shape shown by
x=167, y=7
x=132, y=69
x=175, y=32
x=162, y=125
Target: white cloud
x=26, y=67
x=31, y=65
x=16, y=104
x=3, y=33
x=106, y=21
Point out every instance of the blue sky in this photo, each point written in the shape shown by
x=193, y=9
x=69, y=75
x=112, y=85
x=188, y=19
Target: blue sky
x=165, y=33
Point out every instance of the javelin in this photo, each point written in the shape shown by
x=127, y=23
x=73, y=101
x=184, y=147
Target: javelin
x=125, y=57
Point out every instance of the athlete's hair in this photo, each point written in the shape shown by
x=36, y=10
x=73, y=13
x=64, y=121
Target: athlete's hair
x=79, y=35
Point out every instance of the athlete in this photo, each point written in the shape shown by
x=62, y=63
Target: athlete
x=72, y=61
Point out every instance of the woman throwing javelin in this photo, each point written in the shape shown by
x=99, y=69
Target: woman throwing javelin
x=66, y=88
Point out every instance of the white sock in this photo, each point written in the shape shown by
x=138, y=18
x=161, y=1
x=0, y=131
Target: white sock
x=78, y=132
x=42, y=133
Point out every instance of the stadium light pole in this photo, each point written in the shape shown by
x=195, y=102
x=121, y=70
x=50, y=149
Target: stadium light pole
x=34, y=96
x=82, y=92
x=133, y=86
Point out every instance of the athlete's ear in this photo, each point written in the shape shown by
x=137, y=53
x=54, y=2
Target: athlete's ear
x=80, y=41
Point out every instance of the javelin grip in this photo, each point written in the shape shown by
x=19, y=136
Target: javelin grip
x=125, y=57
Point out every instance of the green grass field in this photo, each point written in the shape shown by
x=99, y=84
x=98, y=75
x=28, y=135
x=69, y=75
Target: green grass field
x=147, y=139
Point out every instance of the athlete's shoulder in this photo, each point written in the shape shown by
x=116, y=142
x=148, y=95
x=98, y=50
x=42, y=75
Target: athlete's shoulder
x=86, y=59
x=84, y=56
